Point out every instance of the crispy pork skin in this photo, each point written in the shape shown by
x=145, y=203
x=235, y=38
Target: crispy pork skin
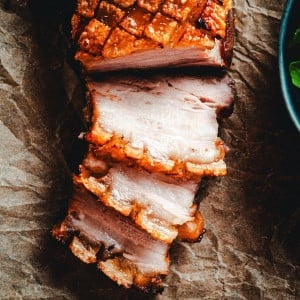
x=192, y=231
x=160, y=124
x=100, y=235
x=158, y=203
x=113, y=35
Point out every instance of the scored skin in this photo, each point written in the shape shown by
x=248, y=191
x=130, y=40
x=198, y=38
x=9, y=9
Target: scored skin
x=114, y=262
x=86, y=8
x=158, y=25
x=96, y=178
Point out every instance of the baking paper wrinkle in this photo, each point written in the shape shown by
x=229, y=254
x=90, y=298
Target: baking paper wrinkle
x=243, y=255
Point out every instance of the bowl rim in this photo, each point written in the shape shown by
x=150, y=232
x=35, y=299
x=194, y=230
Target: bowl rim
x=284, y=78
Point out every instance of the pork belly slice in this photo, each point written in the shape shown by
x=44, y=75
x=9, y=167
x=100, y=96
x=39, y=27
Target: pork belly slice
x=114, y=35
x=100, y=235
x=161, y=127
x=156, y=202
x=215, y=90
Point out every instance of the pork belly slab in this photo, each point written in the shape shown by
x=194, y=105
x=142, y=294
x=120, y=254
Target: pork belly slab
x=97, y=234
x=156, y=202
x=159, y=123
x=112, y=35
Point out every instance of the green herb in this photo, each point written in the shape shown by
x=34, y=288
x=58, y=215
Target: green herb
x=294, y=69
x=294, y=66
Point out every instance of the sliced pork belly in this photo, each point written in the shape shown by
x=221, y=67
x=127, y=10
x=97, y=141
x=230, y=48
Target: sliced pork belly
x=156, y=202
x=217, y=92
x=100, y=235
x=161, y=127
x=112, y=35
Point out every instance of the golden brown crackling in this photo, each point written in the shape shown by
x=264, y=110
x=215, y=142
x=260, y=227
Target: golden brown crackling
x=125, y=274
x=150, y=5
x=214, y=16
x=118, y=269
x=93, y=37
x=178, y=9
x=162, y=30
x=87, y=8
x=121, y=43
x=193, y=36
x=136, y=21
x=191, y=231
x=125, y=3
x=117, y=148
x=75, y=24
x=142, y=25
x=109, y=14
x=84, y=251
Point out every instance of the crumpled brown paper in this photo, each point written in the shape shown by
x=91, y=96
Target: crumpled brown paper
x=251, y=249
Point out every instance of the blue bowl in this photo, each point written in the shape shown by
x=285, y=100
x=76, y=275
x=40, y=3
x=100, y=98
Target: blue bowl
x=289, y=23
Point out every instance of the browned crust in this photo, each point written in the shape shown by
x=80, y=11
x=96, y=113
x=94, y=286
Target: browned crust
x=116, y=268
x=213, y=22
x=119, y=149
x=120, y=271
x=192, y=231
x=228, y=42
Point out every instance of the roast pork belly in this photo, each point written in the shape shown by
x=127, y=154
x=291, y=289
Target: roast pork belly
x=114, y=35
x=100, y=235
x=160, y=123
x=158, y=203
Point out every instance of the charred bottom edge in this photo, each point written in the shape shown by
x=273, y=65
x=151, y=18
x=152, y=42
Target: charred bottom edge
x=116, y=267
x=110, y=260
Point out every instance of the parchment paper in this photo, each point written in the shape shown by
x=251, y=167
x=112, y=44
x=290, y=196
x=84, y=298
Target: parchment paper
x=252, y=247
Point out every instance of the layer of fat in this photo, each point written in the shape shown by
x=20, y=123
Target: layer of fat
x=166, y=125
x=160, y=196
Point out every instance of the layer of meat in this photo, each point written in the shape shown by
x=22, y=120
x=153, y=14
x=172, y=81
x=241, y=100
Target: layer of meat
x=112, y=35
x=156, y=202
x=160, y=123
x=100, y=235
